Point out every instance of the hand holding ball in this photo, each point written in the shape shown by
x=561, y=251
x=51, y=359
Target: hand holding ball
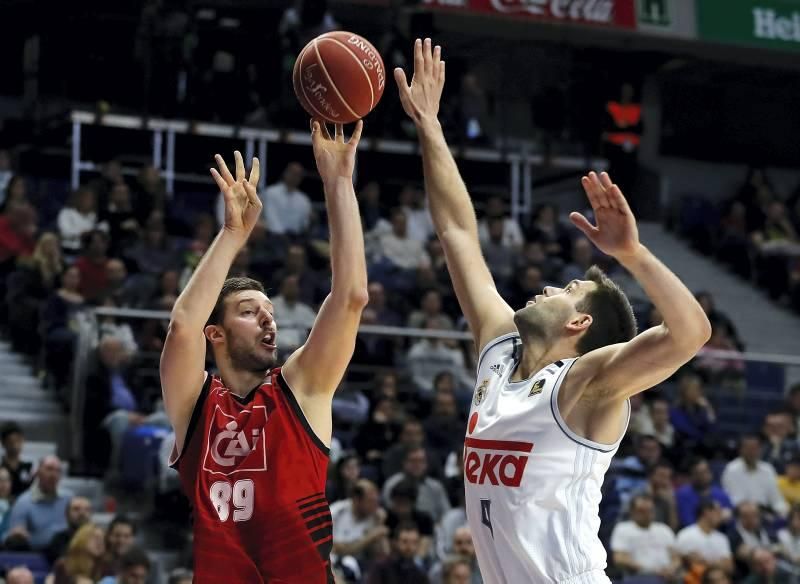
x=339, y=77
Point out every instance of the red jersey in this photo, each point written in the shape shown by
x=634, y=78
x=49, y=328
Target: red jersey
x=255, y=474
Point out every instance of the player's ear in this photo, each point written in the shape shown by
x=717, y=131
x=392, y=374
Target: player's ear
x=214, y=333
x=580, y=322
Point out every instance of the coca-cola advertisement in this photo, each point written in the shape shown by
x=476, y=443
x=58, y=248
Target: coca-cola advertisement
x=614, y=13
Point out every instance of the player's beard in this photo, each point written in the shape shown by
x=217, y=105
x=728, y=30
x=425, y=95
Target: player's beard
x=248, y=356
x=541, y=324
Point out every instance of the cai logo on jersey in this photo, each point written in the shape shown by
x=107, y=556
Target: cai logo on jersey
x=236, y=443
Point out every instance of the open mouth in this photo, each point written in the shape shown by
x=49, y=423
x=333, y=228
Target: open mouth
x=269, y=342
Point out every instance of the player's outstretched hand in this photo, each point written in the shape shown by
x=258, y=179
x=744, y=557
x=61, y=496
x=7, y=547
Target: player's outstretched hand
x=421, y=99
x=616, y=233
x=335, y=157
x=242, y=205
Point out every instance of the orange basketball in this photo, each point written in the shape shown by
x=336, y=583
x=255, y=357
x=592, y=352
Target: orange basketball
x=339, y=77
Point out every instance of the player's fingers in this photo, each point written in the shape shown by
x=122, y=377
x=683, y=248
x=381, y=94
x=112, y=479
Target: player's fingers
x=339, y=132
x=219, y=180
x=617, y=199
x=323, y=128
x=599, y=189
x=437, y=58
x=356, y=135
x=237, y=156
x=441, y=72
x=427, y=57
x=591, y=192
x=583, y=224
x=252, y=195
x=605, y=180
x=223, y=170
x=255, y=172
x=419, y=62
x=400, y=79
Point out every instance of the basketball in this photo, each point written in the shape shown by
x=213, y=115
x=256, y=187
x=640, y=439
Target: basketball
x=339, y=77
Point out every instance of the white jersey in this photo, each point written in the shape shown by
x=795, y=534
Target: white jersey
x=532, y=485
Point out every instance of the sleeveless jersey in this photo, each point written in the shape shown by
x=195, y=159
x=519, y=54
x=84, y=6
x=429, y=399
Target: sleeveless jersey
x=532, y=485
x=254, y=472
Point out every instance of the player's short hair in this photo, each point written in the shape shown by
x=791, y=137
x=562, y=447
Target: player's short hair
x=231, y=286
x=134, y=557
x=613, y=320
x=8, y=429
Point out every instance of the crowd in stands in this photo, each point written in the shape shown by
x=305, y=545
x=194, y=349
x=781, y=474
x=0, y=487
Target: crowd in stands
x=755, y=233
x=681, y=502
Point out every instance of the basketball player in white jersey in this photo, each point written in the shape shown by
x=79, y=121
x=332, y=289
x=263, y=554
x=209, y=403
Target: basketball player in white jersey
x=554, y=377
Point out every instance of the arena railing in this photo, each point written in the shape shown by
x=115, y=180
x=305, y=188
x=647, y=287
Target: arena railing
x=257, y=141
x=768, y=376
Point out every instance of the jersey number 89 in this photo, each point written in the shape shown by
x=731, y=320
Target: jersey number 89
x=243, y=494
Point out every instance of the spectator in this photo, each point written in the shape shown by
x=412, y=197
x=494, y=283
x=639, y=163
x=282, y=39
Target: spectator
x=121, y=218
x=21, y=471
x=748, y=536
x=534, y=254
x=582, y=260
x=412, y=435
x=789, y=538
x=660, y=488
x=369, y=198
x=547, y=230
x=297, y=318
x=79, y=512
x=461, y=550
x=5, y=497
x=287, y=209
x=40, y=512
x=528, y=284
x=714, y=575
x=375, y=436
x=765, y=570
x=18, y=226
x=630, y=473
x=92, y=265
x=400, y=568
x=83, y=560
x=119, y=541
x=658, y=425
x=151, y=193
x=134, y=568
x=154, y=253
x=19, y=575
x=444, y=427
x=727, y=372
x=60, y=322
x=180, y=576
x=15, y=190
x=119, y=288
x=430, y=308
x=296, y=264
x=79, y=216
x=499, y=257
x=346, y=477
x=789, y=482
x=431, y=496
x=706, y=300
x=472, y=111
x=701, y=544
x=398, y=249
x=747, y=478
x=700, y=487
x=403, y=509
x=457, y=570
x=512, y=233
x=779, y=444
x=33, y=281
x=359, y=528
x=642, y=546
x=693, y=418
x=428, y=357
x=792, y=404
x=418, y=218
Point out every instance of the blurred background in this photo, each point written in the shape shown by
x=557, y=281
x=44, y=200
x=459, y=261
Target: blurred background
x=110, y=113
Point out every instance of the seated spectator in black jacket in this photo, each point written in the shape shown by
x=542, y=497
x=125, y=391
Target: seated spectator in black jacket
x=21, y=471
x=79, y=512
x=400, y=567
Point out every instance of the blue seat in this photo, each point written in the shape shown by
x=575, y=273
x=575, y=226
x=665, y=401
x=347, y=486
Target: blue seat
x=35, y=562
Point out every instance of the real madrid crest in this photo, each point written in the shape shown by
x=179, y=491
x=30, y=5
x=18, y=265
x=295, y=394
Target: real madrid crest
x=480, y=392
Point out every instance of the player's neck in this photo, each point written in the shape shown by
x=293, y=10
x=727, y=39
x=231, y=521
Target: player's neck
x=536, y=355
x=240, y=382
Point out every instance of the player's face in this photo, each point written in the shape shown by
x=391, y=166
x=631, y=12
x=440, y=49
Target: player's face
x=547, y=314
x=250, y=331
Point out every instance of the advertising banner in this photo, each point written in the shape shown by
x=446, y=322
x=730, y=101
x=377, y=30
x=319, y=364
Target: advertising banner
x=767, y=23
x=613, y=13
x=672, y=18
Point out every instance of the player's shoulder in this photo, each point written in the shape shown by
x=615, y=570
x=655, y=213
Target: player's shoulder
x=504, y=344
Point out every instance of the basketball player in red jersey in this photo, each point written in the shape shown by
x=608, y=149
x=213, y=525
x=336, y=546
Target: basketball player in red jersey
x=251, y=445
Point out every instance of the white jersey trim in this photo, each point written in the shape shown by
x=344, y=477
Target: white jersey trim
x=566, y=429
x=491, y=345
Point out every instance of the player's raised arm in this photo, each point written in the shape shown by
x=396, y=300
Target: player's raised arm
x=453, y=215
x=319, y=365
x=624, y=369
x=183, y=358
